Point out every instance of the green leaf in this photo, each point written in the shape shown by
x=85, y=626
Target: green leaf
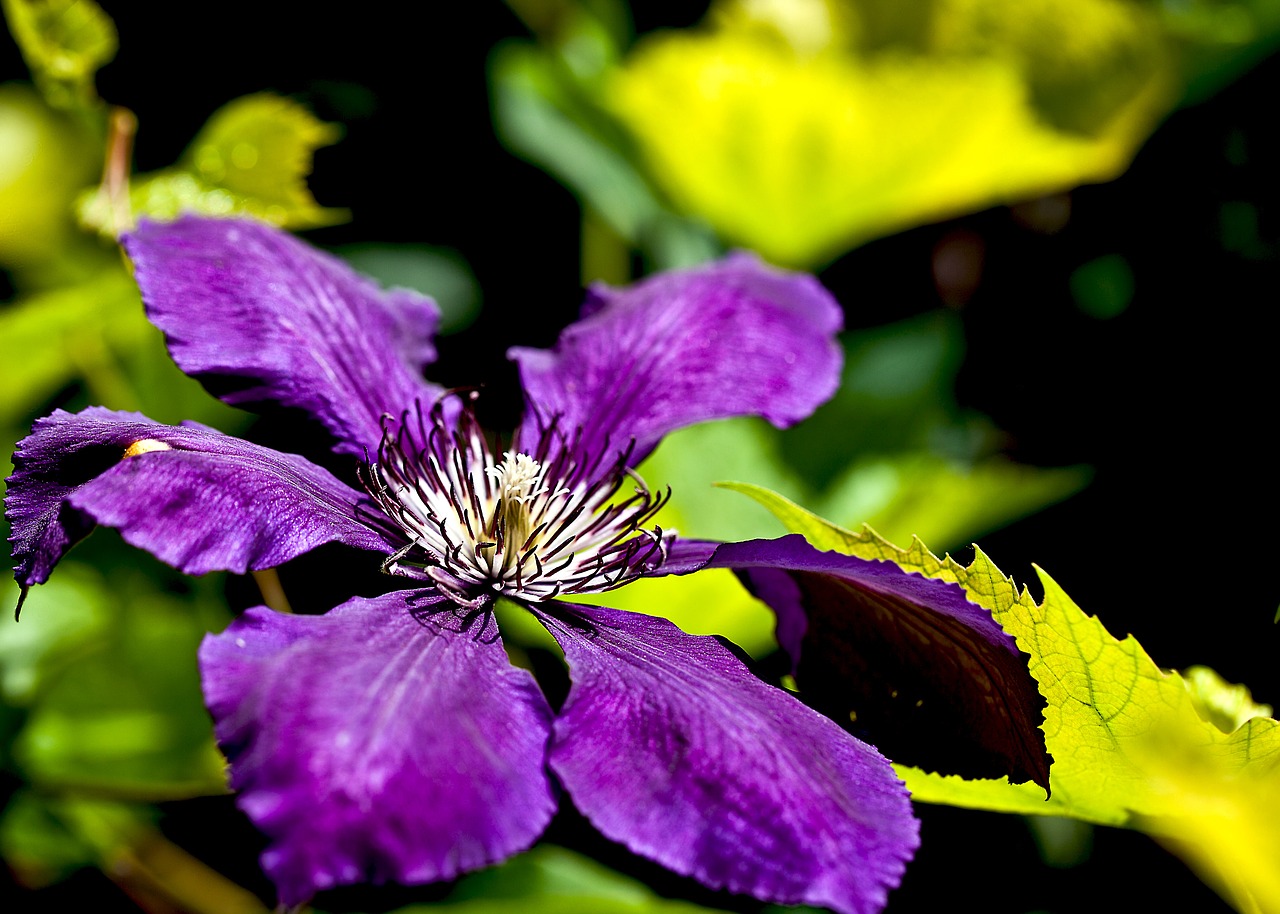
x=94, y=332
x=120, y=714
x=1133, y=744
x=552, y=879
x=1104, y=287
x=914, y=492
x=64, y=42
x=896, y=396
x=942, y=501
x=80, y=330
x=746, y=448
x=709, y=602
x=44, y=839
x=441, y=273
x=37, y=847
x=1217, y=40
x=46, y=158
x=251, y=158
x=45, y=643
x=544, y=113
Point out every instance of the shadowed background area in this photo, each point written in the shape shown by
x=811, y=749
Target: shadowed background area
x=1125, y=326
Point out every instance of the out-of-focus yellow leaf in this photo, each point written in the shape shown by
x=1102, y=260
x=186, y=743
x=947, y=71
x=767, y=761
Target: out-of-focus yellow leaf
x=1083, y=61
x=1190, y=761
x=1226, y=705
x=251, y=158
x=1220, y=804
x=802, y=149
x=260, y=147
x=64, y=42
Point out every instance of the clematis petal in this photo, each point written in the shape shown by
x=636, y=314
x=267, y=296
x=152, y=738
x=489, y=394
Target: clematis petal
x=259, y=316
x=731, y=338
x=669, y=745
x=387, y=740
x=926, y=675
x=193, y=497
x=685, y=556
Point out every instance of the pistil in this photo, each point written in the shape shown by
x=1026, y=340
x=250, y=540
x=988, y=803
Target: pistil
x=520, y=483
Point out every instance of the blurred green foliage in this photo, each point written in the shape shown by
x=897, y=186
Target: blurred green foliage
x=99, y=692
x=892, y=449
x=442, y=273
x=799, y=128
x=804, y=128
x=65, y=43
x=552, y=879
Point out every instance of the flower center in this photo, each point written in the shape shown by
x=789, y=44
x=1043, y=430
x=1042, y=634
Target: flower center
x=531, y=526
x=520, y=485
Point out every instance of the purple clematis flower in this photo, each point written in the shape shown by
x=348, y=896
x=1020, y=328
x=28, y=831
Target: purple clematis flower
x=390, y=739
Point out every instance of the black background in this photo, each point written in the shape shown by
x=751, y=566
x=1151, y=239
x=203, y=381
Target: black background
x=1173, y=402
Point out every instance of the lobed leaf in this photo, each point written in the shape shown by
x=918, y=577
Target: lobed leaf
x=252, y=157
x=1133, y=744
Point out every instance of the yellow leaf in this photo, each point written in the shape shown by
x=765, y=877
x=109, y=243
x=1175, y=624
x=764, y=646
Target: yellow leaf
x=1191, y=761
x=802, y=149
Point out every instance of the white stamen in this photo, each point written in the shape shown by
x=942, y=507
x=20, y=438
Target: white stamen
x=521, y=527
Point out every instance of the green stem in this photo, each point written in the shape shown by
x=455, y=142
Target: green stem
x=268, y=581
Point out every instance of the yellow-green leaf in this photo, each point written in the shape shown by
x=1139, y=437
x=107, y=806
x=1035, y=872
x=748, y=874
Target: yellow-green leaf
x=251, y=158
x=64, y=42
x=1133, y=744
x=907, y=491
x=46, y=158
x=803, y=147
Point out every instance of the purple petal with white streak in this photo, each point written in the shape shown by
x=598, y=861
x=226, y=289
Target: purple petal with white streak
x=730, y=338
x=389, y=740
x=260, y=316
x=929, y=677
x=669, y=745
x=207, y=502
